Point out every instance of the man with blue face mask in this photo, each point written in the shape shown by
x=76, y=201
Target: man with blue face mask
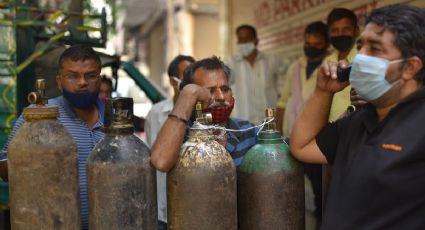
x=376, y=152
x=80, y=110
x=256, y=77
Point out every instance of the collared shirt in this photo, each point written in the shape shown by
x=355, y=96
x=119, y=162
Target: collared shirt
x=153, y=123
x=307, y=86
x=378, y=172
x=156, y=118
x=256, y=87
x=341, y=100
x=85, y=138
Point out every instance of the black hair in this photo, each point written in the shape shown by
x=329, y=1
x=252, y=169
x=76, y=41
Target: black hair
x=340, y=13
x=211, y=63
x=407, y=23
x=173, y=67
x=317, y=27
x=79, y=52
x=104, y=79
x=247, y=27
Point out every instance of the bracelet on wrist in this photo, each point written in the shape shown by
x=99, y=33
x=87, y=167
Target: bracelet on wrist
x=178, y=118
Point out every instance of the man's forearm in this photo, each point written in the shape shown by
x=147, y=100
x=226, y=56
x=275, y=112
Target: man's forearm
x=312, y=119
x=166, y=148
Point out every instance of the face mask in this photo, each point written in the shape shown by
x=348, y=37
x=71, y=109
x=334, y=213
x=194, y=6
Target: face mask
x=245, y=49
x=80, y=100
x=178, y=82
x=368, y=76
x=220, y=111
x=313, y=52
x=342, y=43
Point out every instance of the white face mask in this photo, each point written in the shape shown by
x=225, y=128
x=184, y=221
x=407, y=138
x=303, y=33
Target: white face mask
x=367, y=76
x=245, y=49
x=178, y=82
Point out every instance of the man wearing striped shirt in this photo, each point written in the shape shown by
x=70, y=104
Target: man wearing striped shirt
x=207, y=81
x=80, y=110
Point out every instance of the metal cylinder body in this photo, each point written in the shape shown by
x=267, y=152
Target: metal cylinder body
x=201, y=188
x=270, y=187
x=43, y=173
x=121, y=181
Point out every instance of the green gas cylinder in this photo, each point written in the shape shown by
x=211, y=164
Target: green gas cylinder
x=270, y=184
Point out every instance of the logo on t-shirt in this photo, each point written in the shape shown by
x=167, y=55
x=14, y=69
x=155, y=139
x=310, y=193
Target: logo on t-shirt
x=392, y=147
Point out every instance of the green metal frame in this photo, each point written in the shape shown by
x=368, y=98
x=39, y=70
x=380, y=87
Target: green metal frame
x=151, y=92
x=8, y=77
x=20, y=27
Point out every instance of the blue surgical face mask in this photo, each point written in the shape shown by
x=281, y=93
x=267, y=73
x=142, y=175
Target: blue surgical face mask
x=245, y=49
x=367, y=76
x=80, y=100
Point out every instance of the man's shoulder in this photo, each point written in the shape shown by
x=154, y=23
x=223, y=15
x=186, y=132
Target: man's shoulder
x=298, y=62
x=164, y=106
x=332, y=57
x=237, y=123
x=232, y=60
x=56, y=101
x=64, y=107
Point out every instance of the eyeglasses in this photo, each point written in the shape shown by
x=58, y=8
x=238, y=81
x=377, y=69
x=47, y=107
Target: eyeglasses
x=74, y=78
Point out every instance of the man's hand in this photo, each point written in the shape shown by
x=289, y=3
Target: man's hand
x=188, y=97
x=327, y=77
x=356, y=99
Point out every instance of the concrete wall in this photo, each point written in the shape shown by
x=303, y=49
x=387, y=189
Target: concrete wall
x=205, y=36
x=156, y=53
x=280, y=23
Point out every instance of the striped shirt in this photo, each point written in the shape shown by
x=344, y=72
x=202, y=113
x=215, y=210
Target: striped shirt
x=86, y=138
x=238, y=143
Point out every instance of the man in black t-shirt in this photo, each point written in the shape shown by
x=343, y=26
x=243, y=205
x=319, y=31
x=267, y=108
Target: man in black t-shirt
x=377, y=152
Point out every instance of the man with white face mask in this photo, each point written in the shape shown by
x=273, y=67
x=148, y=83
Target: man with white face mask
x=256, y=76
x=376, y=152
x=154, y=121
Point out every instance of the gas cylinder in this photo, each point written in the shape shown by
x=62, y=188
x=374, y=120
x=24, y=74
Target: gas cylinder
x=43, y=169
x=121, y=181
x=201, y=188
x=270, y=184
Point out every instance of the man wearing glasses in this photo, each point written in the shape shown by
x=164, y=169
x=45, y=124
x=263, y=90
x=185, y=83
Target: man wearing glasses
x=80, y=110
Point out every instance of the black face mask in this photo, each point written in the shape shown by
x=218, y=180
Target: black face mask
x=342, y=43
x=313, y=52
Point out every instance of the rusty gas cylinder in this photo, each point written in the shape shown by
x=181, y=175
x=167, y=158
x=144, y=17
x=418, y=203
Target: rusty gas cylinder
x=43, y=170
x=201, y=188
x=121, y=181
x=270, y=185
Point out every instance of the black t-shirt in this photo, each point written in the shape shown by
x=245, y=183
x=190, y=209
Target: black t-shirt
x=378, y=172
